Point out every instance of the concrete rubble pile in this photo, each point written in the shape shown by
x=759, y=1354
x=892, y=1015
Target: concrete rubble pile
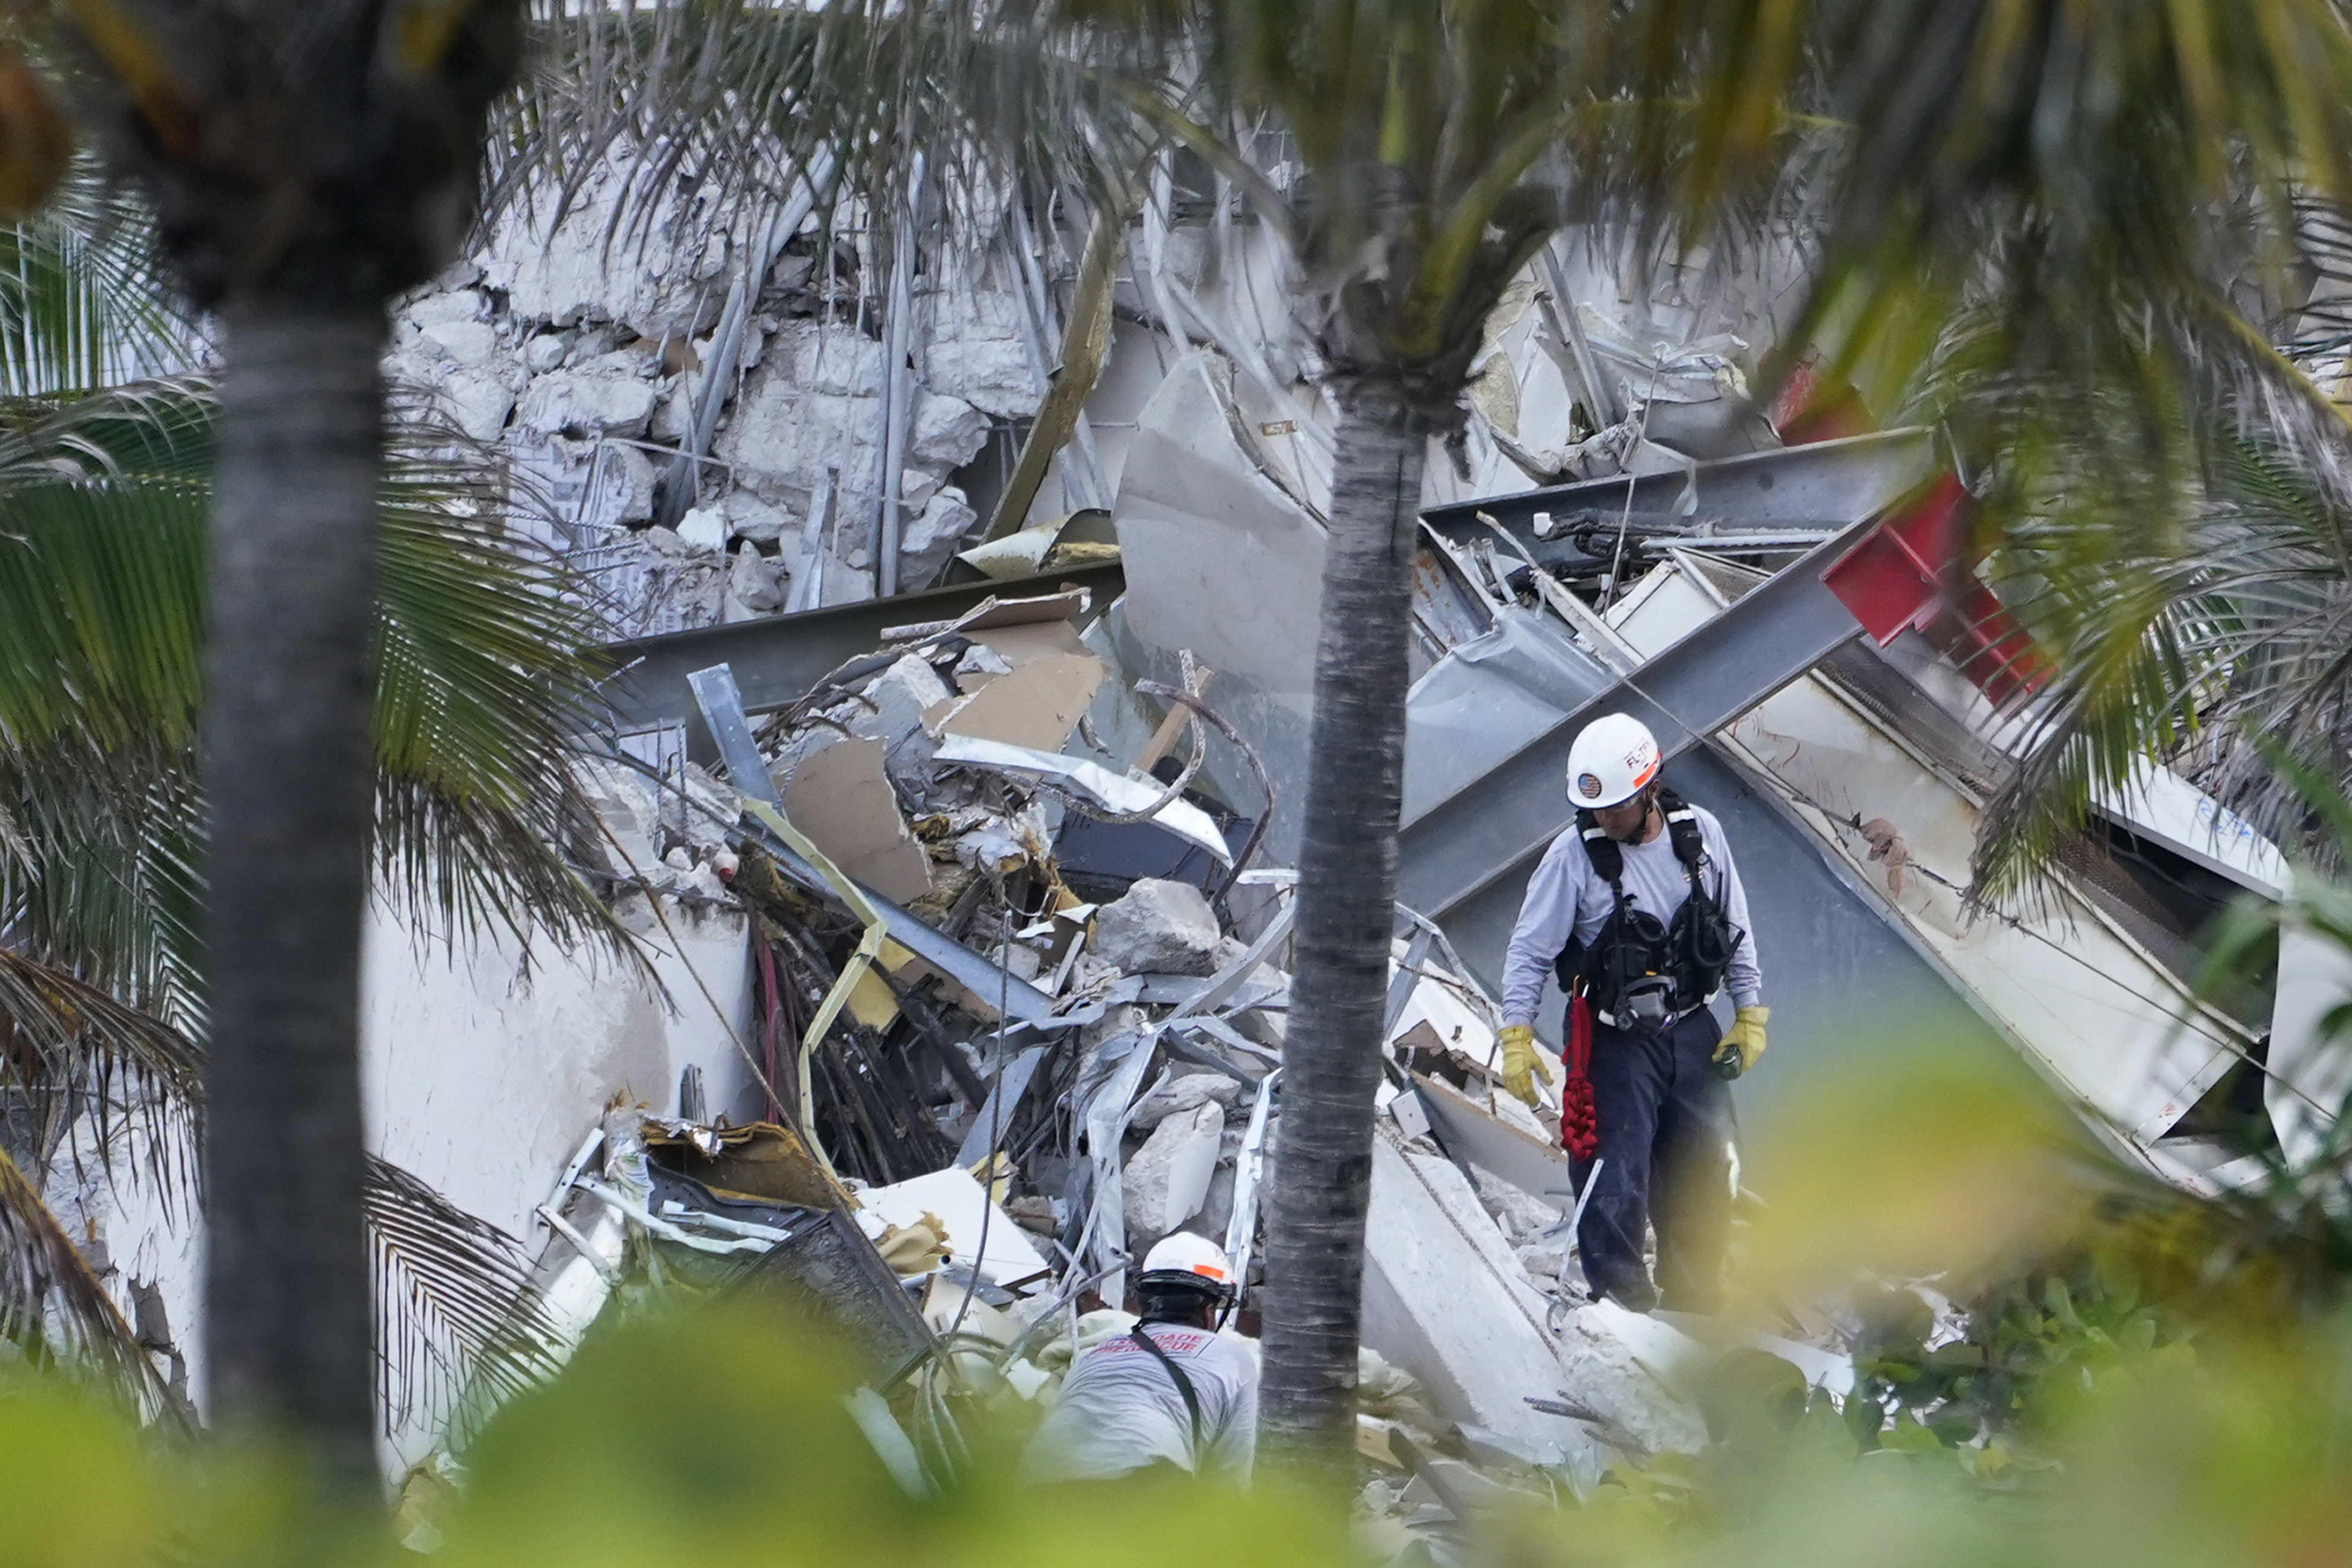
x=1010, y=878
x=602, y=344
x=972, y=936
x=1005, y=886
x=958, y=1167
x=1019, y=925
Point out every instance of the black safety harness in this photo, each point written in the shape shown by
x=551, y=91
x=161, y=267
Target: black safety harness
x=1639, y=975
x=1183, y=1385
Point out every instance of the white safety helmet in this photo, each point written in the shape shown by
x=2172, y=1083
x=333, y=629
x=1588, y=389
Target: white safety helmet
x=1193, y=1261
x=1612, y=758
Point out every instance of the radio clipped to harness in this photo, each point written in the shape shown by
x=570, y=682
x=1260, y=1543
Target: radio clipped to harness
x=1640, y=974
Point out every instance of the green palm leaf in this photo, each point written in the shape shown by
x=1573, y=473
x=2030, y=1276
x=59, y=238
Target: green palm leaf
x=458, y=1328
x=2209, y=647
x=82, y=307
x=481, y=686
x=54, y=1311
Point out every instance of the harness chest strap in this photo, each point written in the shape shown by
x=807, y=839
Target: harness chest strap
x=1183, y=1384
x=1682, y=949
x=1579, y=1120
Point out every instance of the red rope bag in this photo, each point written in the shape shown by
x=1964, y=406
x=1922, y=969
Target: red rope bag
x=1579, y=1120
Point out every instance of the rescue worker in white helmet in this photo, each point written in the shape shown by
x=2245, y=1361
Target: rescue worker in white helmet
x=1171, y=1391
x=1637, y=907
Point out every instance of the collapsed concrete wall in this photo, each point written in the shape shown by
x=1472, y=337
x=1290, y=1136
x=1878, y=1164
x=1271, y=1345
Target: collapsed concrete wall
x=576, y=347
x=577, y=341
x=484, y=1063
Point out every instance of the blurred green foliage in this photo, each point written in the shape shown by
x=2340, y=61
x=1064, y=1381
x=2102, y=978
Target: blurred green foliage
x=2101, y=1370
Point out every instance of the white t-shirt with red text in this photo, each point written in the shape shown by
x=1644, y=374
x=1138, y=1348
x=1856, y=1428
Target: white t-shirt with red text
x=1120, y=1411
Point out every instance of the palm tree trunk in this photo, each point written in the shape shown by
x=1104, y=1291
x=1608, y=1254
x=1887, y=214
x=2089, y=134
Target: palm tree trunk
x=289, y=778
x=1347, y=887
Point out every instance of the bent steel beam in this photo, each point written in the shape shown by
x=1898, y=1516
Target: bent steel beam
x=777, y=658
x=1451, y=849
x=1821, y=482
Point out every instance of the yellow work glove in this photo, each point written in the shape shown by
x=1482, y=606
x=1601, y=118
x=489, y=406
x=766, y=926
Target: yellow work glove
x=1522, y=1062
x=1743, y=1042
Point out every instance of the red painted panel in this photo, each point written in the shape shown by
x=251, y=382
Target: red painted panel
x=1913, y=572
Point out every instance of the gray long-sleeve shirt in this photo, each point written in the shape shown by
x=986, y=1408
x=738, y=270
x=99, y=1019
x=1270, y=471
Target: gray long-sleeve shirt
x=1566, y=894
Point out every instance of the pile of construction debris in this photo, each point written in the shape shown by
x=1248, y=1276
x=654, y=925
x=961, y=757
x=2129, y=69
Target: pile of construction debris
x=1019, y=1015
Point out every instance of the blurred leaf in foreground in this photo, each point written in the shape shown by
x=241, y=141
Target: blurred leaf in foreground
x=1925, y=1165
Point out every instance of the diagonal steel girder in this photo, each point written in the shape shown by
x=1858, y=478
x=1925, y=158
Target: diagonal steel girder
x=1770, y=637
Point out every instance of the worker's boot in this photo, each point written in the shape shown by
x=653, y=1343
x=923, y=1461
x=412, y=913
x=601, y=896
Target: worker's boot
x=1635, y=1294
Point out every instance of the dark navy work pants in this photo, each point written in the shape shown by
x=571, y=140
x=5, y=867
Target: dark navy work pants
x=1664, y=1158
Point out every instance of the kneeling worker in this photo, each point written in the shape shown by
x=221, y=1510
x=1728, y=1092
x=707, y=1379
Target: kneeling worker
x=1637, y=907
x=1171, y=1391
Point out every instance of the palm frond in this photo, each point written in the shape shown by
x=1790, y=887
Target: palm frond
x=484, y=681
x=53, y=1309
x=101, y=650
x=482, y=684
x=72, y=1057
x=83, y=306
x=457, y=1327
x=2200, y=646
x=2076, y=237
x=158, y=429
x=101, y=642
x=726, y=102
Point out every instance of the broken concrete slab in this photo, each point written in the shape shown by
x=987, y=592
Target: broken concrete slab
x=1522, y=1219
x=1470, y=1132
x=1624, y=1367
x=959, y=1204
x=703, y=528
x=476, y=401
x=755, y=585
x=1158, y=928
x=929, y=536
x=896, y=700
x=625, y=806
x=977, y=352
x=757, y=521
x=1444, y=1299
x=832, y=357
x=545, y=352
x=1183, y=1095
x=620, y=483
x=948, y=431
x=1164, y=1184
x=463, y=342
x=584, y=404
